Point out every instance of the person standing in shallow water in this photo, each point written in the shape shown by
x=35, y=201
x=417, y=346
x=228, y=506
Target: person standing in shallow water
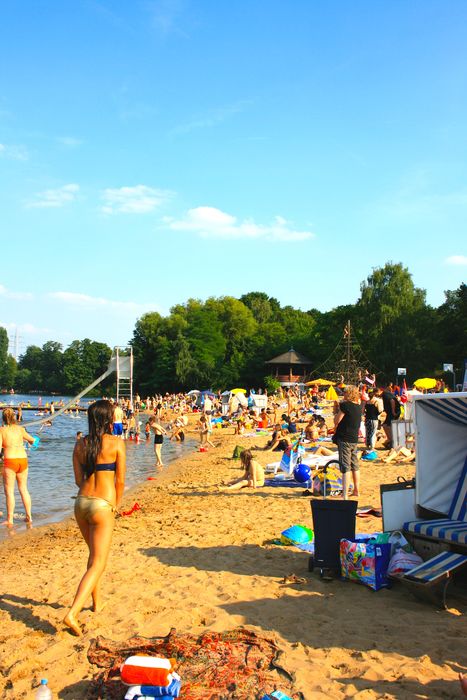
x=99, y=465
x=15, y=465
x=159, y=433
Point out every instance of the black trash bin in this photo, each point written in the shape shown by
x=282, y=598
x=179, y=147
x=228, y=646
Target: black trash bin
x=332, y=521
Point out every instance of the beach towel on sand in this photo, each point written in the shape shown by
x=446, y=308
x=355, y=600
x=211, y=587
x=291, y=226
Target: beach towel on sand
x=239, y=664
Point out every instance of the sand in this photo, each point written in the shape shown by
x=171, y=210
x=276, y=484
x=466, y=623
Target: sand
x=198, y=559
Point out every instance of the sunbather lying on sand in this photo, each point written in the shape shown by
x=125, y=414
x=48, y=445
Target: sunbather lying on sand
x=400, y=454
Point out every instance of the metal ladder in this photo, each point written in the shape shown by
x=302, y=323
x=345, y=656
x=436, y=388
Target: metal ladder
x=124, y=369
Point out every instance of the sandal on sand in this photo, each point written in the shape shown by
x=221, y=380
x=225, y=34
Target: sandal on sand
x=292, y=578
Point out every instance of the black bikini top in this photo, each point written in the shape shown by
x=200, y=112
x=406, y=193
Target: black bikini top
x=109, y=467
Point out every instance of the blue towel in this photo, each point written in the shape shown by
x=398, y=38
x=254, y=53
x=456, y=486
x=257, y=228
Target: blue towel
x=166, y=692
x=287, y=482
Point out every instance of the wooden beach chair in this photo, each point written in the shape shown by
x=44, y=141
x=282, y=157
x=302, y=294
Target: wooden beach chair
x=430, y=580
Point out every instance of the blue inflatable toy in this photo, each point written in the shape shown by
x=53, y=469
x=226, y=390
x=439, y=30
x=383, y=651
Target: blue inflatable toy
x=302, y=473
x=34, y=445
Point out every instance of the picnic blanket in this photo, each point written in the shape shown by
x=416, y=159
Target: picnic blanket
x=238, y=664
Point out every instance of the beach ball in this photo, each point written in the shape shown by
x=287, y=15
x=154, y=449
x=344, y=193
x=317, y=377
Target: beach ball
x=302, y=473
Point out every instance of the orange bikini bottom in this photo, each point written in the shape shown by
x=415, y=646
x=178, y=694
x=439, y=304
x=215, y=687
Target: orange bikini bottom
x=16, y=464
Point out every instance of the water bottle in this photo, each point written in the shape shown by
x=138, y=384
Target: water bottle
x=43, y=692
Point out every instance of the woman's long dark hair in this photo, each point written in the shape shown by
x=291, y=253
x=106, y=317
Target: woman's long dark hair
x=100, y=417
x=246, y=458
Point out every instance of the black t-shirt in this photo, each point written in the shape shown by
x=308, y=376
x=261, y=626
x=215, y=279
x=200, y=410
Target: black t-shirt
x=347, y=429
x=387, y=399
x=371, y=411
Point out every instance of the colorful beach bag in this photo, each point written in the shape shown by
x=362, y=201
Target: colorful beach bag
x=329, y=484
x=366, y=561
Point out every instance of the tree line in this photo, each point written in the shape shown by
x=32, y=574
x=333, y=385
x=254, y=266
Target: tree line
x=224, y=342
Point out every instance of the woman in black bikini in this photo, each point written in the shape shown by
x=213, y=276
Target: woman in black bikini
x=99, y=463
x=159, y=433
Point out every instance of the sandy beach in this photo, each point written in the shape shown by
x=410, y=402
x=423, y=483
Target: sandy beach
x=198, y=559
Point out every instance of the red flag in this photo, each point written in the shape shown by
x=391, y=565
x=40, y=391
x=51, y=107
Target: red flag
x=404, y=396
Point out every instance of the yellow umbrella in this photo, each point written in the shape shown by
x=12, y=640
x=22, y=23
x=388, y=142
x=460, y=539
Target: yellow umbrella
x=331, y=394
x=425, y=383
x=238, y=391
x=320, y=382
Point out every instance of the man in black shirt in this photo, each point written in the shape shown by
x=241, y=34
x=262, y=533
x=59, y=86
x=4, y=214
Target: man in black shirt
x=347, y=422
x=389, y=407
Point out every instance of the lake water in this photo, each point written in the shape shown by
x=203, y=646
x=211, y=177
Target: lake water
x=51, y=482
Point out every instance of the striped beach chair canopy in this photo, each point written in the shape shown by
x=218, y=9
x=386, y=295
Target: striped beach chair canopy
x=441, y=442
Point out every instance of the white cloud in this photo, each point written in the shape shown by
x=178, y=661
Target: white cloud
x=14, y=152
x=25, y=328
x=134, y=200
x=84, y=301
x=18, y=296
x=55, y=198
x=210, y=222
x=456, y=260
x=69, y=141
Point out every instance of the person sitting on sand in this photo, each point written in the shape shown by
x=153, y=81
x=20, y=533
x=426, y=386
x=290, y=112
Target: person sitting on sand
x=312, y=429
x=99, y=464
x=263, y=421
x=252, y=478
x=322, y=427
x=281, y=442
x=15, y=465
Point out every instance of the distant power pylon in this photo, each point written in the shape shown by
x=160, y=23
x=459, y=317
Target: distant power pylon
x=14, y=343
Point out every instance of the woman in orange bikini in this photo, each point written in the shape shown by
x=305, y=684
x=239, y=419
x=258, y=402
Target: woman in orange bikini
x=15, y=465
x=99, y=463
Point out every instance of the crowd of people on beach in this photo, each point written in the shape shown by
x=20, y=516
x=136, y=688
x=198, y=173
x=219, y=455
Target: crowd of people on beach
x=349, y=427
x=283, y=416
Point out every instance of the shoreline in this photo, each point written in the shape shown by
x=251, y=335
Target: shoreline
x=43, y=520
x=198, y=559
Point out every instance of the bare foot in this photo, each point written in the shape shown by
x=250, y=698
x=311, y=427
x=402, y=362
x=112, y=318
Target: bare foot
x=8, y=523
x=97, y=607
x=72, y=624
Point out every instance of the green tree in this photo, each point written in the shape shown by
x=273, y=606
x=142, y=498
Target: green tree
x=396, y=322
x=51, y=366
x=32, y=380
x=452, y=328
x=7, y=362
x=183, y=360
x=263, y=308
x=83, y=362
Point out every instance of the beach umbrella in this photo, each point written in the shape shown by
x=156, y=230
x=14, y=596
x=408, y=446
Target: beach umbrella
x=331, y=394
x=238, y=391
x=193, y=391
x=425, y=383
x=320, y=382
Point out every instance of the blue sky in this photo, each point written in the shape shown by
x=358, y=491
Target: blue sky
x=153, y=151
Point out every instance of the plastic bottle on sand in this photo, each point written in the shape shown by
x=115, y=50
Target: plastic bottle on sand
x=43, y=692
